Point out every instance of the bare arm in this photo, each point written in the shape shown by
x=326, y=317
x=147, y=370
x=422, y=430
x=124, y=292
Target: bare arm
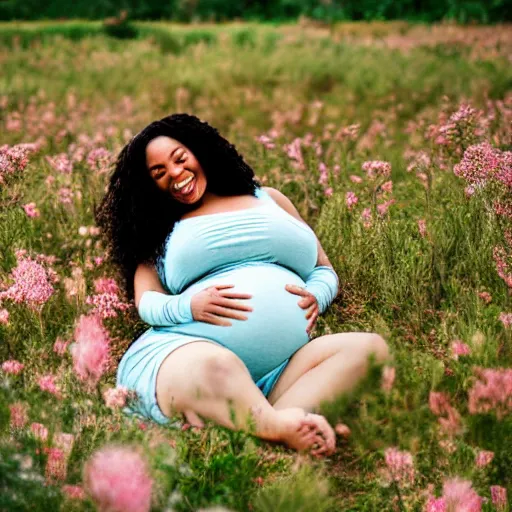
x=288, y=206
x=146, y=278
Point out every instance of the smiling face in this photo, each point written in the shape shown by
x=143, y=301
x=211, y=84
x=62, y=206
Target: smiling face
x=170, y=163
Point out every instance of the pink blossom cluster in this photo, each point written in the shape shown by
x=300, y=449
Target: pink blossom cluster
x=506, y=319
x=19, y=414
x=460, y=131
x=48, y=383
x=106, y=304
x=351, y=200
x=105, y=285
x=459, y=348
x=499, y=497
x=482, y=163
x=483, y=458
x=375, y=168
x=13, y=159
x=75, y=492
x=12, y=367
x=31, y=284
x=57, y=462
x=350, y=132
x=31, y=210
x=60, y=346
x=383, y=208
x=4, y=316
x=400, y=466
x=492, y=392
x=91, y=352
x=449, y=418
x=100, y=160
x=294, y=152
x=266, y=141
x=115, y=397
x=118, y=480
x=502, y=261
x=458, y=496
x=61, y=163
x=39, y=431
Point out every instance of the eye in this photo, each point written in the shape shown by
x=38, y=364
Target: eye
x=182, y=158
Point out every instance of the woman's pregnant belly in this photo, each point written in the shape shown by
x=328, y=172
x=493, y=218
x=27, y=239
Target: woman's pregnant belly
x=275, y=328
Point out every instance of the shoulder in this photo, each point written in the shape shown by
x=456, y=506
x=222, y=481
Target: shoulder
x=282, y=201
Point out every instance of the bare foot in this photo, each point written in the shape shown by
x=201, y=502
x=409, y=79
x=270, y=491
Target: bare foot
x=302, y=431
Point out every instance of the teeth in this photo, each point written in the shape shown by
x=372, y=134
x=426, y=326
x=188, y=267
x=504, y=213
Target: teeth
x=183, y=183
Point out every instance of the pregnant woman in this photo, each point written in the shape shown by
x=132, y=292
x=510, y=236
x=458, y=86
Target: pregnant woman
x=231, y=280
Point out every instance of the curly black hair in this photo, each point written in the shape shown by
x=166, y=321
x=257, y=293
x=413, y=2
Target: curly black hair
x=135, y=216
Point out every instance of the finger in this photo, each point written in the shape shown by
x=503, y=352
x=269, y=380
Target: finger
x=296, y=290
x=229, y=313
x=233, y=304
x=312, y=310
x=312, y=322
x=222, y=286
x=216, y=320
x=234, y=295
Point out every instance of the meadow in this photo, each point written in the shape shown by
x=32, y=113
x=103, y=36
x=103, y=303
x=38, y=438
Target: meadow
x=393, y=140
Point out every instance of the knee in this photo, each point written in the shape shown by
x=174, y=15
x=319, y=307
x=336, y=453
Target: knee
x=220, y=370
x=378, y=347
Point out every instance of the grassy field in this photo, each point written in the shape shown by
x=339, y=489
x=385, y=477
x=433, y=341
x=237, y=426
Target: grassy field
x=423, y=252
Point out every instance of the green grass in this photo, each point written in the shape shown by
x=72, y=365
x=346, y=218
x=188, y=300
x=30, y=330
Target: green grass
x=79, y=88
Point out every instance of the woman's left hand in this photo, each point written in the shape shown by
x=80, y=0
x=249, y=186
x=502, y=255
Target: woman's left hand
x=309, y=302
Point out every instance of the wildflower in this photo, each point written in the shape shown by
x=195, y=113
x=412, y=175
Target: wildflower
x=83, y=231
x=294, y=153
x=486, y=297
x=75, y=492
x=31, y=284
x=105, y=285
x=75, y=286
x=450, y=419
x=342, y=430
x=503, y=268
x=355, y=179
x=506, y=319
x=491, y=392
x=31, y=210
x=479, y=164
x=483, y=458
x=19, y=416
x=106, y=304
x=375, y=168
x=47, y=383
x=351, y=200
x=12, y=367
x=459, y=495
x=100, y=160
x=55, y=465
x=422, y=227
x=400, y=465
x=388, y=378
x=387, y=187
x=40, y=431
x=266, y=141
x=118, y=480
x=65, y=195
x=61, y=163
x=383, y=207
x=460, y=129
x=91, y=352
x=4, y=316
x=328, y=191
x=436, y=505
x=115, y=397
x=13, y=159
x=459, y=349
x=499, y=497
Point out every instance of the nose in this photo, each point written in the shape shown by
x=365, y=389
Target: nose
x=175, y=170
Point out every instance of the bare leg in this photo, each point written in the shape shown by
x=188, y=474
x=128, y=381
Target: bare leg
x=206, y=380
x=325, y=368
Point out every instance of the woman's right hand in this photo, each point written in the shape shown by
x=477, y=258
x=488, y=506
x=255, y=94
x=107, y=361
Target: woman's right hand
x=214, y=303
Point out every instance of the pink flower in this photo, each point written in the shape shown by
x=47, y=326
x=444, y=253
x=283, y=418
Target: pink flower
x=492, y=392
x=55, y=469
x=459, y=349
x=100, y=160
x=115, y=397
x=422, y=227
x=31, y=210
x=31, y=284
x=118, y=480
x=366, y=214
x=74, y=492
x=436, y=505
x=486, y=297
x=400, y=465
x=377, y=168
x=483, y=458
x=499, y=497
x=4, y=316
x=61, y=163
x=450, y=419
x=328, y=191
x=98, y=261
x=479, y=163
x=387, y=187
x=351, y=200
x=506, y=319
x=40, y=431
x=19, y=416
x=388, y=378
x=13, y=160
x=60, y=346
x=459, y=495
x=355, y=179
x=383, y=207
x=12, y=367
x=501, y=259
x=342, y=430
x=65, y=195
x=106, y=304
x=91, y=352
x=105, y=285
x=47, y=383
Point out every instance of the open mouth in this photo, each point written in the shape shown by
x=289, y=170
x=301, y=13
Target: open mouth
x=186, y=187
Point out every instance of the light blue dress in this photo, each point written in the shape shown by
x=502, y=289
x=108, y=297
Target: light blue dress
x=260, y=250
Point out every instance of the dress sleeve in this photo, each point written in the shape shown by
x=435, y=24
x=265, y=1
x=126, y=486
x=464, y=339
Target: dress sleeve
x=323, y=283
